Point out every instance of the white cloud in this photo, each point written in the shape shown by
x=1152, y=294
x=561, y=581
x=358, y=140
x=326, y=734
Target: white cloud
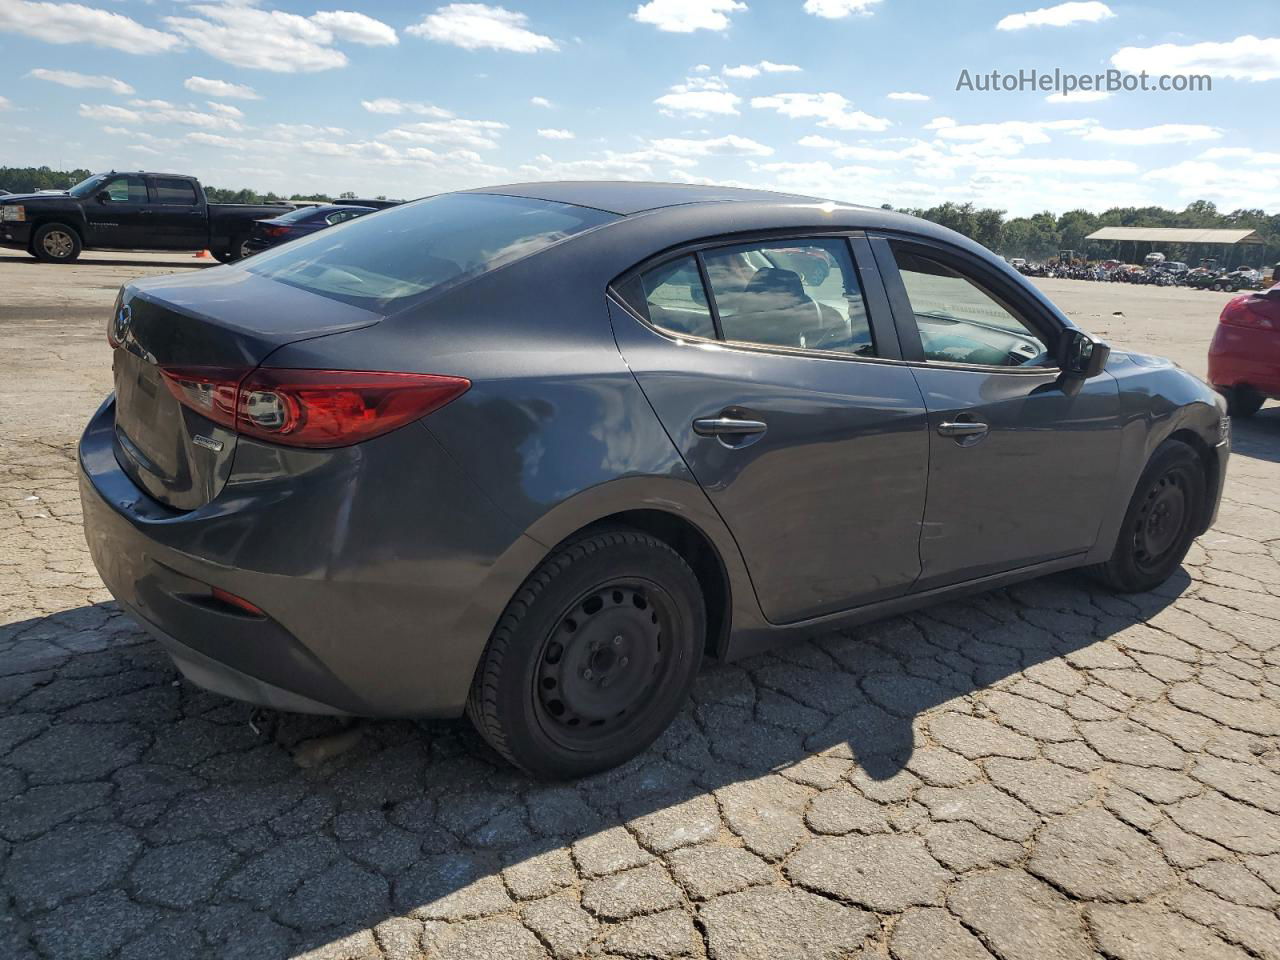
x=829, y=109
x=1078, y=96
x=220, y=88
x=1005, y=138
x=5, y=104
x=1248, y=155
x=475, y=26
x=726, y=146
x=1244, y=58
x=224, y=117
x=907, y=95
x=76, y=23
x=69, y=78
x=1062, y=15
x=475, y=134
x=699, y=97
x=746, y=71
x=389, y=105
x=259, y=39
x=1229, y=188
x=226, y=110
x=357, y=28
x=540, y=101
x=1157, y=135
x=686, y=16
x=839, y=9
x=106, y=111
x=550, y=133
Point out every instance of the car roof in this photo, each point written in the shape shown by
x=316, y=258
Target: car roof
x=626, y=197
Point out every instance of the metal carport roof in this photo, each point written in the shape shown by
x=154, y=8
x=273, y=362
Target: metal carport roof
x=1176, y=235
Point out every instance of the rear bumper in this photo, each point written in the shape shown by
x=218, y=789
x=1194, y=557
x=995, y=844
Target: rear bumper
x=374, y=567
x=1240, y=356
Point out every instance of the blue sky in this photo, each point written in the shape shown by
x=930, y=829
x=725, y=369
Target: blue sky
x=851, y=99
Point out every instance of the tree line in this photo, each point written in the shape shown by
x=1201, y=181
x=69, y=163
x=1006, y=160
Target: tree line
x=1037, y=237
x=1045, y=235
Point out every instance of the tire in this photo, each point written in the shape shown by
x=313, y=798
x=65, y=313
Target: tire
x=1164, y=516
x=56, y=243
x=234, y=251
x=1242, y=401
x=617, y=608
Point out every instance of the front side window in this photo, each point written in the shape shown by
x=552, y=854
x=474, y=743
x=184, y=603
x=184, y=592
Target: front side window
x=790, y=293
x=675, y=300
x=176, y=192
x=125, y=190
x=412, y=249
x=959, y=322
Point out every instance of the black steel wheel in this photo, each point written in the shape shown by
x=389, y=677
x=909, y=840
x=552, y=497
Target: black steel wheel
x=1165, y=514
x=603, y=660
x=592, y=658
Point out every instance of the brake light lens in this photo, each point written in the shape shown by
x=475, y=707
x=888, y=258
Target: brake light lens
x=276, y=231
x=1255, y=313
x=311, y=408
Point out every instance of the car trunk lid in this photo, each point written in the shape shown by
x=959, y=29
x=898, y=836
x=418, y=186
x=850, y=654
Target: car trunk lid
x=214, y=327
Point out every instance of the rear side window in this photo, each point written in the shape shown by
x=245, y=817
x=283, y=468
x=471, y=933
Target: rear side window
x=179, y=192
x=791, y=293
x=409, y=250
x=675, y=299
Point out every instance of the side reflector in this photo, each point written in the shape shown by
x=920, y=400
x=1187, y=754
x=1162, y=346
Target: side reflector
x=231, y=600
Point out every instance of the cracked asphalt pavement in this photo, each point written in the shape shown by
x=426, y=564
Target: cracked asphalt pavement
x=1046, y=772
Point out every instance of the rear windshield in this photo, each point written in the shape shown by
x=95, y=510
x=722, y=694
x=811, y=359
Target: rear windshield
x=301, y=213
x=381, y=262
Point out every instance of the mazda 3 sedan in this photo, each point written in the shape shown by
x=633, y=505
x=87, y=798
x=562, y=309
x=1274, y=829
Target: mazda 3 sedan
x=532, y=452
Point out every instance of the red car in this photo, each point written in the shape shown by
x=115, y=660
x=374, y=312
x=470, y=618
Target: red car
x=1244, y=357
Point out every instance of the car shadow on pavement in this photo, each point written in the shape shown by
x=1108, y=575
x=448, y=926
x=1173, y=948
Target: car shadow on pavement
x=181, y=260
x=142, y=815
x=1258, y=436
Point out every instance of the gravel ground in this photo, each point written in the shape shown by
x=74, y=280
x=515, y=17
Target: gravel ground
x=1039, y=773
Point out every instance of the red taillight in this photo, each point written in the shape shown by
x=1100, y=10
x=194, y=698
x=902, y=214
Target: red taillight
x=311, y=408
x=1256, y=313
x=275, y=231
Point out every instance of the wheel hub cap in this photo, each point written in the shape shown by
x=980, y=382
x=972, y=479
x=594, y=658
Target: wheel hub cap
x=57, y=243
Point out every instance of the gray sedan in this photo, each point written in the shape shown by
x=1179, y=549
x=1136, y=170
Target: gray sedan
x=532, y=452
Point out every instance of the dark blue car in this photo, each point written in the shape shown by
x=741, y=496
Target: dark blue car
x=301, y=222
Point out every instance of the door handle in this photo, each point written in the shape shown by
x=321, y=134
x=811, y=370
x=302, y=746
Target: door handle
x=728, y=427
x=963, y=430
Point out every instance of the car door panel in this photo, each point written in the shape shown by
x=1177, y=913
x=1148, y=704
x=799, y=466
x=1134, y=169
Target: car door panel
x=826, y=501
x=123, y=220
x=1028, y=487
x=177, y=217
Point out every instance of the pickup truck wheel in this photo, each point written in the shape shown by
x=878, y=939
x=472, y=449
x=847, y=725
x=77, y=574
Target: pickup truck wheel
x=237, y=249
x=56, y=243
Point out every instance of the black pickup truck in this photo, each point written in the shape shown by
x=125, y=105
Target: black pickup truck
x=128, y=211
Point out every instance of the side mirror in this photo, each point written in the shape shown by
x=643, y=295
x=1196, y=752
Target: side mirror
x=104, y=197
x=1080, y=356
